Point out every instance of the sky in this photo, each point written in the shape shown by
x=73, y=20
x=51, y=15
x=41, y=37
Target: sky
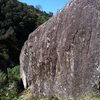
x=47, y=5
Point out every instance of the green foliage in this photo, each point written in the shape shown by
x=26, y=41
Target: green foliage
x=17, y=20
x=3, y=78
x=13, y=73
x=9, y=84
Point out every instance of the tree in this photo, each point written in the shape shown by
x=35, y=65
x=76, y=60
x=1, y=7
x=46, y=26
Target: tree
x=51, y=13
x=17, y=20
x=39, y=7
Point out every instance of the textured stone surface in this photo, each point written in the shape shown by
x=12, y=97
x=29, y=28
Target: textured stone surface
x=62, y=56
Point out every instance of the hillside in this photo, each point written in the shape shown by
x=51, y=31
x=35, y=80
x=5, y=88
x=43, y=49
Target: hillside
x=17, y=20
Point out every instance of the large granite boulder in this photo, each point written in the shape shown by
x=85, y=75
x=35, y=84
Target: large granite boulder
x=62, y=56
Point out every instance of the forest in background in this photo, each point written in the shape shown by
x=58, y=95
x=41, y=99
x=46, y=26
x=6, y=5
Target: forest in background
x=17, y=21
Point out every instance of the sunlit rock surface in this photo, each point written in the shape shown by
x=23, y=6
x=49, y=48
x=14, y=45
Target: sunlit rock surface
x=62, y=57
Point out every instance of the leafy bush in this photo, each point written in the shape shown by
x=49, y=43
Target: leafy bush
x=9, y=84
x=13, y=73
x=3, y=78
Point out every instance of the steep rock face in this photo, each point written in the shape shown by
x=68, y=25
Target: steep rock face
x=62, y=57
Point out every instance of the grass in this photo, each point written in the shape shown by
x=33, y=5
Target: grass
x=87, y=96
